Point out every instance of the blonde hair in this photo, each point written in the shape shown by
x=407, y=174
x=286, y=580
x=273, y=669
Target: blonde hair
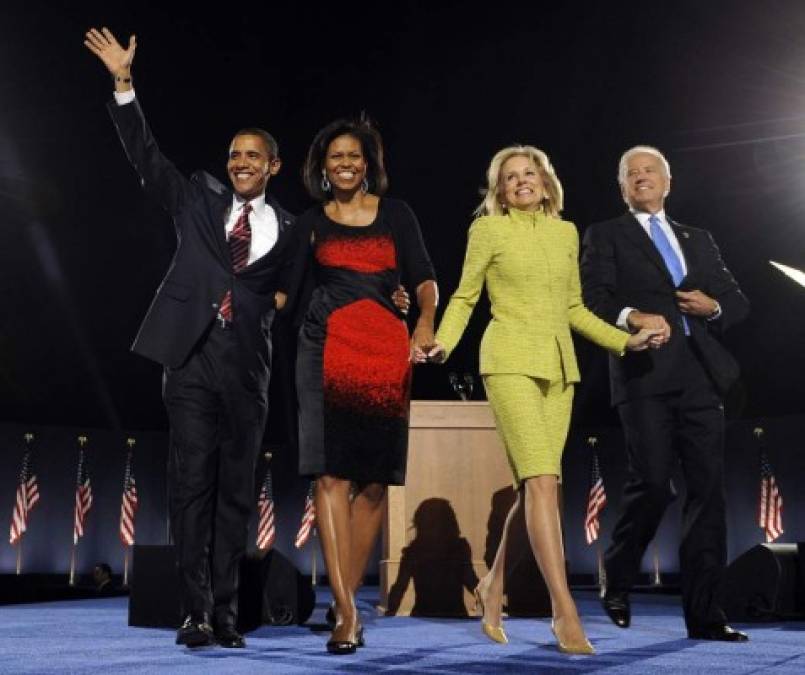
x=552, y=201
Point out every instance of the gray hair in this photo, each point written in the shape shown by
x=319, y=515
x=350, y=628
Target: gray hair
x=636, y=150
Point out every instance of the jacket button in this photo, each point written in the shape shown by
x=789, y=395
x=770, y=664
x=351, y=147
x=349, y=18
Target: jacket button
x=215, y=305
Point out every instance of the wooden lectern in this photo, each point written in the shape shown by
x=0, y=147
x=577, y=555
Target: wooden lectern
x=442, y=529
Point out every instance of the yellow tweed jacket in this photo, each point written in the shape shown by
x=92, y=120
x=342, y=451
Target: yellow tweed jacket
x=529, y=262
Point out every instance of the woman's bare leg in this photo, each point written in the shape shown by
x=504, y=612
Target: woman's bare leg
x=333, y=524
x=545, y=534
x=367, y=517
x=491, y=587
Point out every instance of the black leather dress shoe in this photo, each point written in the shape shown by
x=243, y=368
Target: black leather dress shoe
x=720, y=632
x=196, y=631
x=616, y=605
x=228, y=637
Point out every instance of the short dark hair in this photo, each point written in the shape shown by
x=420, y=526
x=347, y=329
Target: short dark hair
x=271, y=144
x=366, y=134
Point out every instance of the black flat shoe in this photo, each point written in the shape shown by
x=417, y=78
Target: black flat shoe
x=719, y=632
x=196, y=631
x=616, y=605
x=228, y=637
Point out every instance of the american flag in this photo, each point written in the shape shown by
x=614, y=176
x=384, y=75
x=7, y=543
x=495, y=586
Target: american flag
x=83, y=495
x=128, y=504
x=308, y=518
x=770, y=507
x=266, y=530
x=596, y=501
x=27, y=496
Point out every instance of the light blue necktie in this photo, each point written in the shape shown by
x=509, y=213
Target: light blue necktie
x=668, y=254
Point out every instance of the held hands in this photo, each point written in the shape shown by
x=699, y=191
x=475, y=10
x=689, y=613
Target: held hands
x=435, y=353
x=696, y=303
x=106, y=47
x=639, y=320
x=422, y=342
x=646, y=338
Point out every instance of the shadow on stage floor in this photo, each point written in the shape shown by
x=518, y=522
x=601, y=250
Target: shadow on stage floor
x=88, y=636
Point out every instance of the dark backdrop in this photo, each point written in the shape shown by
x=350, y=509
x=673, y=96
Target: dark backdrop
x=718, y=86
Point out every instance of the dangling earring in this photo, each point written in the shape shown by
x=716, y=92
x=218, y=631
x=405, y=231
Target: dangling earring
x=364, y=185
x=325, y=182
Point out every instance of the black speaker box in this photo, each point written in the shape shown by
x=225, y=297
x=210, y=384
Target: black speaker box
x=271, y=590
x=287, y=597
x=154, y=588
x=767, y=583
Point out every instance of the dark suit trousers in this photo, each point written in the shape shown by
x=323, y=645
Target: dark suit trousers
x=216, y=429
x=685, y=426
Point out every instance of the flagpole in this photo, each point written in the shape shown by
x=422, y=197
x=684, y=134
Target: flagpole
x=602, y=573
x=313, y=580
x=592, y=441
x=130, y=442
x=656, y=580
x=29, y=437
x=82, y=440
x=72, y=566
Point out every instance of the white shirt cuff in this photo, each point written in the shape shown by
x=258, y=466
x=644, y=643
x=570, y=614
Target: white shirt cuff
x=717, y=314
x=621, y=322
x=124, y=97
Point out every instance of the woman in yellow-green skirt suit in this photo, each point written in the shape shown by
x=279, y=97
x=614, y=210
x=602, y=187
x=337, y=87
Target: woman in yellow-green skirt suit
x=528, y=258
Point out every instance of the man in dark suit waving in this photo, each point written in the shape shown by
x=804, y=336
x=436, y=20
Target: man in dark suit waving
x=644, y=270
x=210, y=327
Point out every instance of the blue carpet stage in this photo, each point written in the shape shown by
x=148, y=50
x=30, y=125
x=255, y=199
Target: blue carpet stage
x=92, y=636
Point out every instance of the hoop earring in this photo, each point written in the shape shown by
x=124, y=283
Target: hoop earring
x=325, y=182
x=364, y=185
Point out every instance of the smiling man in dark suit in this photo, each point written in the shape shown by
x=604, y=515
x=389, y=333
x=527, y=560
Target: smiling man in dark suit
x=210, y=327
x=645, y=270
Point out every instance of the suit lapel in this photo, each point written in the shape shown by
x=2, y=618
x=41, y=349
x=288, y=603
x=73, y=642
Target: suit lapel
x=635, y=233
x=219, y=217
x=218, y=201
x=284, y=222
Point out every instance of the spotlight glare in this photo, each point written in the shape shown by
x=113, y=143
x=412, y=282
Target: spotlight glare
x=790, y=272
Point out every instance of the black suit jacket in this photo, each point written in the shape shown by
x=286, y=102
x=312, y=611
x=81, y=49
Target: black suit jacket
x=200, y=273
x=621, y=267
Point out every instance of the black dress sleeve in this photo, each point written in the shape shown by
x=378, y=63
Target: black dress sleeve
x=297, y=277
x=413, y=260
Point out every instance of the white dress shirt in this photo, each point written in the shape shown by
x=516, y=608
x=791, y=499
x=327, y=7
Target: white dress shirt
x=262, y=219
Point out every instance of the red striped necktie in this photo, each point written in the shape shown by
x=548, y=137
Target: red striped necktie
x=240, y=240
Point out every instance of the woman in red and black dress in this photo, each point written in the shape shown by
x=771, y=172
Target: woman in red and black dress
x=353, y=370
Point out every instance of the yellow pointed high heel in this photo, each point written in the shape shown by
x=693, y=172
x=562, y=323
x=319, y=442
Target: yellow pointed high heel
x=494, y=633
x=583, y=647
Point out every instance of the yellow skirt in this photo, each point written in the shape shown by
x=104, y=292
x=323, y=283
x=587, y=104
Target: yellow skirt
x=532, y=417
